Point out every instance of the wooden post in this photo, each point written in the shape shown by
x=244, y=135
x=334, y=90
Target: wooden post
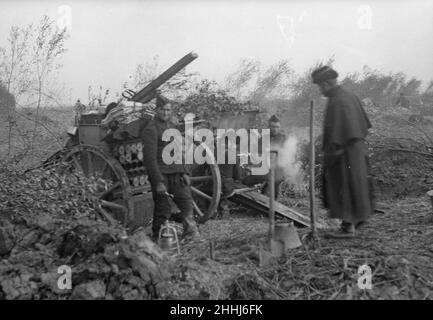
x=271, y=182
x=312, y=174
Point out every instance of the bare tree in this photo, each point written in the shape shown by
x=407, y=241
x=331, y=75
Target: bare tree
x=14, y=61
x=47, y=49
x=274, y=81
x=27, y=67
x=15, y=70
x=256, y=83
x=240, y=79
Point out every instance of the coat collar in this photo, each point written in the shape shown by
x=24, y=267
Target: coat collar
x=333, y=91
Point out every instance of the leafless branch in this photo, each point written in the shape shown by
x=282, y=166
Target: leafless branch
x=43, y=125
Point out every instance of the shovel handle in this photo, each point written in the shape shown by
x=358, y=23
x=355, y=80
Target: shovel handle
x=272, y=196
x=312, y=175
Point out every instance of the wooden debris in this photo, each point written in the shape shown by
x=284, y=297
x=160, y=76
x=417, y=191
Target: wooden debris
x=260, y=202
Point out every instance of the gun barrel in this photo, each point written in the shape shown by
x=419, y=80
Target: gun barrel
x=148, y=92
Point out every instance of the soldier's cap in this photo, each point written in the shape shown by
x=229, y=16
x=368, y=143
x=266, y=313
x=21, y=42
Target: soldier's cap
x=161, y=101
x=323, y=73
x=274, y=118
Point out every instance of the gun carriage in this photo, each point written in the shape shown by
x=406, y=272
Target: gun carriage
x=112, y=157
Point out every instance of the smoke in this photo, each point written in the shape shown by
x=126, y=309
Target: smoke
x=288, y=168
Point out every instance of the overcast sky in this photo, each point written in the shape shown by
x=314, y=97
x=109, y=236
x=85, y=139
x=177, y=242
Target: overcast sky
x=109, y=38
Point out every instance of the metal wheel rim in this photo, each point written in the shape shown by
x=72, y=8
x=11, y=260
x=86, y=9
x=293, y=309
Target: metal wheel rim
x=115, y=167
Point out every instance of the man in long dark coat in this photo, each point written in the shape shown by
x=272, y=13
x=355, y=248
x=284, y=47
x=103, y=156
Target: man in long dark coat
x=347, y=190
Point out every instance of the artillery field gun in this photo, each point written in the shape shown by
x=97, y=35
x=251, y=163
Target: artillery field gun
x=112, y=157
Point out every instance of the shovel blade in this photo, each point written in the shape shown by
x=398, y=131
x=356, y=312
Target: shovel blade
x=276, y=248
x=288, y=235
x=268, y=253
x=293, y=240
x=265, y=257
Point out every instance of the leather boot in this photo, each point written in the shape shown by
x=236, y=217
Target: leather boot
x=156, y=227
x=347, y=227
x=190, y=230
x=347, y=230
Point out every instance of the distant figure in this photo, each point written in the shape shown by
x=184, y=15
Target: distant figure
x=347, y=191
x=79, y=109
x=277, y=140
x=403, y=101
x=277, y=137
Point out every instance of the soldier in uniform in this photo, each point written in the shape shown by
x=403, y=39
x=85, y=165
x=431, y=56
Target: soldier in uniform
x=277, y=139
x=166, y=179
x=79, y=108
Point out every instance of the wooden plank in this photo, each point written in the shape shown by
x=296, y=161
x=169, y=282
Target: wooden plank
x=260, y=202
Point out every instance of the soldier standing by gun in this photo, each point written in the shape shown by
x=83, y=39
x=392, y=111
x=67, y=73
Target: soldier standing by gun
x=166, y=179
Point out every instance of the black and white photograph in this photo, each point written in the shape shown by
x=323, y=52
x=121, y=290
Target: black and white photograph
x=215, y=155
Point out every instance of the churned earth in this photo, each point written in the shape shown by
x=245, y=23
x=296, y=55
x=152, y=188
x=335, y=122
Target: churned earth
x=395, y=244
x=42, y=230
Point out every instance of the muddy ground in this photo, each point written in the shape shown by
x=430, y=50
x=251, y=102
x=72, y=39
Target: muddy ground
x=44, y=229
x=396, y=244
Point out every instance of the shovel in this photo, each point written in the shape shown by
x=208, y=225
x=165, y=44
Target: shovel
x=312, y=236
x=282, y=236
x=274, y=246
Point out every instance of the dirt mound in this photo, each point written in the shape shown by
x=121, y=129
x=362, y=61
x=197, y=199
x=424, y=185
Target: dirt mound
x=399, y=174
x=43, y=233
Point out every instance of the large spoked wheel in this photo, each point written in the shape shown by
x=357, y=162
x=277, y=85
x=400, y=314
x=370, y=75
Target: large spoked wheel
x=109, y=181
x=206, y=187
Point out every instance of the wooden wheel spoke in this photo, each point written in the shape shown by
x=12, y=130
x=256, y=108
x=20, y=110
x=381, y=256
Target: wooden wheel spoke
x=109, y=190
x=89, y=163
x=113, y=205
x=205, y=179
x=201, y=178
x=107, y=215
x=77, y=163
x=104, y=168
x=108, y=182
x=201, y=193
x=98, y=171
x=197, y=209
